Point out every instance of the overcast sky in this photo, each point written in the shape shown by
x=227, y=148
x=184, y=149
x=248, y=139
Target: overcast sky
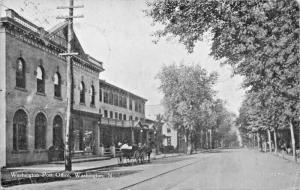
x=118, y=33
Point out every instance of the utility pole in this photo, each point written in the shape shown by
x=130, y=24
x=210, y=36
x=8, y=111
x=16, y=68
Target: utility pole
x=69, y=54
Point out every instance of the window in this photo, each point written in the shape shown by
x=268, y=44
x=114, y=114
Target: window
x=130, y=103
x=120, y=116
x=140, y=107
x=116, y=115
x=92, y=91
x=143, y=107
x=130, y=117
x=168, y=141
x=111, y=114
x=20, y=130
x=105, y=97
x=120, y=100
x=57, y=85
x=136, y=106
x=40, y=79
x=82, y=92
x=124, y=117
x=116, y=101
x=20, y=74
x=100, y=95
x=40, y=131
x=124, y=102
x=105, y=114
x=110, y=98
x=168, y=130
x=58, y=131
x=136, y=118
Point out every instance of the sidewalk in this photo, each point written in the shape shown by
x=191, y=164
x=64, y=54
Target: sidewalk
x=36, y=172
x=283, y=155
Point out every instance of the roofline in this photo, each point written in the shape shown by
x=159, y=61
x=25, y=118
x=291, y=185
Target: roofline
x=113, y=86
x=13, y=17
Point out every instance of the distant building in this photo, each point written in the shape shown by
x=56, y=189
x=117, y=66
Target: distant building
x=169, y=135
x=121, y=111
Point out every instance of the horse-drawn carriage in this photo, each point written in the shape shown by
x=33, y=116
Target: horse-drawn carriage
x=134, y=154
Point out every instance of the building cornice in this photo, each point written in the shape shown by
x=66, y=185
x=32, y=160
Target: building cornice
x=21, y=29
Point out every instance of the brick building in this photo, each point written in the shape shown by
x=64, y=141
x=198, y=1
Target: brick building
x=33, y=95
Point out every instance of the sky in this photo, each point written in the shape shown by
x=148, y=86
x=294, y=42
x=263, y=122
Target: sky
x=118, y=33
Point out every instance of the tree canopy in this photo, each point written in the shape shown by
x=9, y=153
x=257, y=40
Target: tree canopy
x=259, y=39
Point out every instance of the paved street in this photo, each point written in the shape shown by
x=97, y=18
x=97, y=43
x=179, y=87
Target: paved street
x=226, y=169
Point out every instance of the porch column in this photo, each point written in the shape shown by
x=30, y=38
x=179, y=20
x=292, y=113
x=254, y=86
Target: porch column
x=97, y=139
x=112, y=144
x=141, y=135
x=147, y=137
x=132, y=136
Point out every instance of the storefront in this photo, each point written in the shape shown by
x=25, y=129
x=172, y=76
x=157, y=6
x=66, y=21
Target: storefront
x=84, y=133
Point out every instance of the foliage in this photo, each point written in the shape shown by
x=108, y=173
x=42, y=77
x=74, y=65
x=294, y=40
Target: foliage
x=259, y=39
x=188, y=94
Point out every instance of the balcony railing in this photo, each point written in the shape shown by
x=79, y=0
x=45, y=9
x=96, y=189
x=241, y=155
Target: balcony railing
x=116, y=122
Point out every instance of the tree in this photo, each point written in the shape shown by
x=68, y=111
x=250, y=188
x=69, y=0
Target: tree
x=259, y=39
x=188, y=97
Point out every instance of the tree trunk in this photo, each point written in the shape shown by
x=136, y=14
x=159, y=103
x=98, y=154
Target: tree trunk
x=269, y=140
x=293, y=141
x=210, y=139
x=189, y=143
x=275, y=140
x=206, y=139
x=260, y=142
x=201, y=139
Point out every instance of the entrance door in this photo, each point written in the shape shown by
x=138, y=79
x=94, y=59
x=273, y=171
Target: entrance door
x=58, y=132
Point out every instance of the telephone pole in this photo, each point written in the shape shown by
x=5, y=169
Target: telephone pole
x=69, y=54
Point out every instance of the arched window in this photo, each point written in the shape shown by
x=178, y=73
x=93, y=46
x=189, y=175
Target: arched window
x=20, y=130
x=40, y=79
x=58, y=132
x=20, y=73
x=57, y=85
x=40, y=131
x=92, y=91
x=82, y=91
